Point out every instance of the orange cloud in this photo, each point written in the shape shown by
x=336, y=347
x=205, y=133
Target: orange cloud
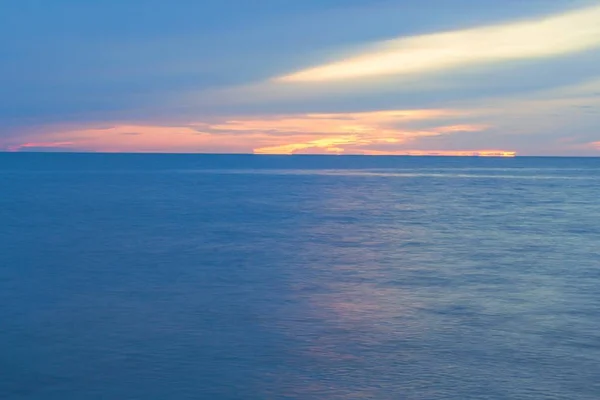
x=329, y=145
x=350, y=132
x=328, y=133
x=142, y=138
x=329, y=122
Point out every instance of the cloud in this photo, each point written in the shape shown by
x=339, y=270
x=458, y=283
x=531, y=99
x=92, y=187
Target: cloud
x=535, y=123
x=438, y=70
x=349, y=133
x=554, y=35
x=40, y=146
x=323, y=145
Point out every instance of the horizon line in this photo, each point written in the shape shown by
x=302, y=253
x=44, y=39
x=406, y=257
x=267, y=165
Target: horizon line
x=301, y=155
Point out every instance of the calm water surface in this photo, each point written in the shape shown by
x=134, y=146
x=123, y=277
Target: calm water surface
x=159, y=277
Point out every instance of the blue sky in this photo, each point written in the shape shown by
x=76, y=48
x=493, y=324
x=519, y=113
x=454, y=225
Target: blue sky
x=326, y=76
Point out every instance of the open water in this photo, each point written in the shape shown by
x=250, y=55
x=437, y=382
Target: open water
x=158, y=277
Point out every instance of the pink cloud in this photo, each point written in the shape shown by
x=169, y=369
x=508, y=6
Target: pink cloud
x=384, y=132
x=22, y=146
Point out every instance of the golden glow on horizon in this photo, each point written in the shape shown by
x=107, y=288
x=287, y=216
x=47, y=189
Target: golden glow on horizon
x=183, y=139
x=325, y=145
x=349, y=133
x=564, y=33
x=453, y=153
x=327, y=133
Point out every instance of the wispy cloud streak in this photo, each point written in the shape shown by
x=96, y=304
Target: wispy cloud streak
x=39, y=145
x=553, y=35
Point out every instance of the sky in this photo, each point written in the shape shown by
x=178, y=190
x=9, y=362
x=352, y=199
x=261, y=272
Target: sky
x=441, y=77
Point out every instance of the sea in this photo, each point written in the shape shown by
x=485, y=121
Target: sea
x=222, y=277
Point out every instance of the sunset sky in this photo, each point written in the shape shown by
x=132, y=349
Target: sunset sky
x=449, y=77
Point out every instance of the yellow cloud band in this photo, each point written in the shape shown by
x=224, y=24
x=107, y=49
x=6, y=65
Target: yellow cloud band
x=550, y=36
